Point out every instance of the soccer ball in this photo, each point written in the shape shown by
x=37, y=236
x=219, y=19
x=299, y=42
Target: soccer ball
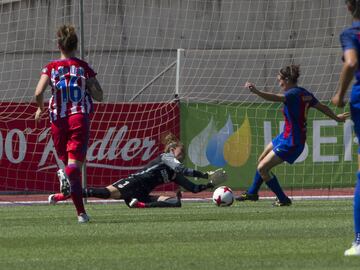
x=223, y=196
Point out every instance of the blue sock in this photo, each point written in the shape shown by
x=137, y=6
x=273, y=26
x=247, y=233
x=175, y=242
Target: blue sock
x=357, y=209
x=274, y=185
x=256, y=184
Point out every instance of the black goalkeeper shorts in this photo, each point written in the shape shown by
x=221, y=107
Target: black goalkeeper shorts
x=132, y=187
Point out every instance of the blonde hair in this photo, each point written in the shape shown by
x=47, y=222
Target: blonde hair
x=171, y=141
x=67, y=38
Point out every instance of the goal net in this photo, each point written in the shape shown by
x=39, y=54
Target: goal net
x=180, y=67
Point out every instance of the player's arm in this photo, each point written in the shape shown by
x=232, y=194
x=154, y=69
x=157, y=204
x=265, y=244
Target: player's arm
x=39, y=94
x=190, y=186
x=94, y=89
x=216, y=177
x=327, y=111
x=265, y=95
x=350, y=59
x=191, y=172
x=346, y=76
x=179, y=168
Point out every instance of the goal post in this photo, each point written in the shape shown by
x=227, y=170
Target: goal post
x=175, y=66
x=126, y=129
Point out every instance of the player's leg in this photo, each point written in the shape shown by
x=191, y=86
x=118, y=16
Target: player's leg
x=266, y=164
x=355, y=248
x=164, y=201
x=156, y=202
x=257, y=182
x=252, y=192
x=109, y=192
x=59, y=131
x=357, y=203
x=77, y=147
x=65, y=186
x=57, y=197
x=266, y=151
x=73, y=171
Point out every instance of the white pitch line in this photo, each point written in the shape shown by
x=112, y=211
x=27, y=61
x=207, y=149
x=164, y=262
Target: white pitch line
x=110, y=201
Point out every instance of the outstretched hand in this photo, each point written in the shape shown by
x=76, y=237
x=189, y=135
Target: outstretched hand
x=343, y=116
x=250, y=86
x=217, y=177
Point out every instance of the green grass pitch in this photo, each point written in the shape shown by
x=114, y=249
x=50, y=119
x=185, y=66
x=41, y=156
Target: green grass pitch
x=251, y=235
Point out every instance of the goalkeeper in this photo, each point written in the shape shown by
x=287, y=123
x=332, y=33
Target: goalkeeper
x=135, y=190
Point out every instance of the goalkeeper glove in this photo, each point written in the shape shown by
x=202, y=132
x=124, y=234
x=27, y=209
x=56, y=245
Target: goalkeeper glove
x=217, y=177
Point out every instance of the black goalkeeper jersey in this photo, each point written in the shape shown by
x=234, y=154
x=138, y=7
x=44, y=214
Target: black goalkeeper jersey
x=164, y=169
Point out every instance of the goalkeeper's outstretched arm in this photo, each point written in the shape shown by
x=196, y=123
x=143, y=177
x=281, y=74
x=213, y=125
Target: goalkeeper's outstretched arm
x=217, y=177
x=195, y=173
x=170, y=160
x=190, y=186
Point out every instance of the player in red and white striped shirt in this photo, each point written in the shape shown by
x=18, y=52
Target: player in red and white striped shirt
x=73, y=85
x=68, y=87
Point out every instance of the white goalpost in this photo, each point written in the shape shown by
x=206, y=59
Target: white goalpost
x=180, y=67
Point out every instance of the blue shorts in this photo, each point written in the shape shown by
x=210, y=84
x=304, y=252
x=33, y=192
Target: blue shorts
x=355, y=117
x=284, y=150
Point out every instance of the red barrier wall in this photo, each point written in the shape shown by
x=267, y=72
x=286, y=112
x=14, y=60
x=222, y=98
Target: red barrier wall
x=123, y=138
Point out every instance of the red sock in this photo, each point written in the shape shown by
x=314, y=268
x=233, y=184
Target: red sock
x=60, y=197
x=74, y=174
x=140, y=205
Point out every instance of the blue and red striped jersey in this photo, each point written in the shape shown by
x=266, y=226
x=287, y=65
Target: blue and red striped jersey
x=296, y=105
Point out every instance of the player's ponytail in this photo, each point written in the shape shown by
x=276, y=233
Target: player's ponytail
x=67, y=38
x=171, y=141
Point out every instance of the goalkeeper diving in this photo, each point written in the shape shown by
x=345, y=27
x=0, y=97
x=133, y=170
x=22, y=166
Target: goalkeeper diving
x=135, y=190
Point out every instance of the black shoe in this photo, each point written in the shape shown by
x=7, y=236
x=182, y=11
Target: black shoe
x=286, y=202
x=247, y=197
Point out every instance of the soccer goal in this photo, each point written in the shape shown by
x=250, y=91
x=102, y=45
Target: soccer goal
x=180, y=67
x=229, y=126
